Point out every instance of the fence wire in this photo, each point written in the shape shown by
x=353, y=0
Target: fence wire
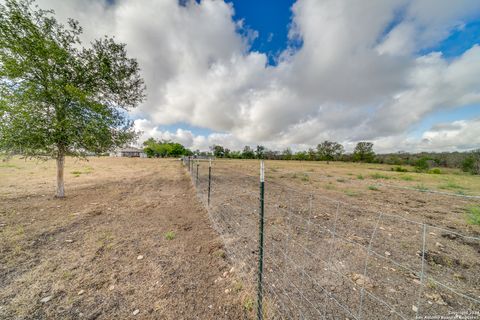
x=330, y=259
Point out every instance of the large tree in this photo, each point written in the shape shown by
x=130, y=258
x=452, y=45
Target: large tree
x=329, y=150
x=364, y=152
x=58, y=98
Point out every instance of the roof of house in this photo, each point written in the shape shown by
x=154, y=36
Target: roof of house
x=129, y=149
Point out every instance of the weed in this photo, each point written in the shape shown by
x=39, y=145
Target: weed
x=248, y=304
x=451, y=185
x=421, y=187
x=379, y=176
x=220, y=253
x=373, y=188
x=329, y=186
x=305, y=178
x=76, y=172
x=238, y=286
x=88, y=170
x=434, y=171
x=360, y=177
x=341, y=180
x=431, y=284
x=67, y=275
x=170, y=235
x=19, y=231
x=351, y=193
x=473, y=215
x=406, y=178
x=8, y=165
x=399, y=169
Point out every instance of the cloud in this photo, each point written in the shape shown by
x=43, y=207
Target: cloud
x=186, y=137
x=359, y=73
x=461, y=135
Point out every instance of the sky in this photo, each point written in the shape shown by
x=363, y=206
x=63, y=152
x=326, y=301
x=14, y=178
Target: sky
x=403, y=74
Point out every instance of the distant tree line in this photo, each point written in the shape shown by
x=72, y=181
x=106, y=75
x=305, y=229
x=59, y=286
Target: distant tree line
x=328, y=151
x=325, y=151
x=363, y=152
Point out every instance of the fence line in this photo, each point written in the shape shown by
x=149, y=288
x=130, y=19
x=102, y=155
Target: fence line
x=316, y=264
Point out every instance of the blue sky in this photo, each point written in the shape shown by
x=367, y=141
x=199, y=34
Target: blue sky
x=271, y=19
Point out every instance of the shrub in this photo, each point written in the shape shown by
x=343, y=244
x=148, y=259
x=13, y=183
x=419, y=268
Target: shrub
x=422, y=165
x=473, y=215
x=472, y=162
x=399, y=169
x=360, y=177
x=435, y=171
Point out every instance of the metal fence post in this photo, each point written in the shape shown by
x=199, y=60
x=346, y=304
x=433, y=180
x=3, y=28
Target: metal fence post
x=209, y=180
x=260, y=242
x=196, y=179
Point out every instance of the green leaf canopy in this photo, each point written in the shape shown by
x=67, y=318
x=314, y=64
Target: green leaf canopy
x=56, y=96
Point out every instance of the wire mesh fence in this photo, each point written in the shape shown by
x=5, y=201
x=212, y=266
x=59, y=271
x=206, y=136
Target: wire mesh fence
x=326, y=258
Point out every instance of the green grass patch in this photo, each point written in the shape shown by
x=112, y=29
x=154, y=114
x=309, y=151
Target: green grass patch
x=170, y=235
x=377, y=175
x=351, y=193
x=329, y=186
x=373, y=188
x=434, y=171
x=399, y=169
x=407, y=178
x=248, y=304
x=473, y=215
x=451, y=186
x=360, y=177
x=86, y=170
x=421, y=187
x=9, y=165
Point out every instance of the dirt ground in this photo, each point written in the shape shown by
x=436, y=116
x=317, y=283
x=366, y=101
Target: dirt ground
x=129, y=241
x=349, y=241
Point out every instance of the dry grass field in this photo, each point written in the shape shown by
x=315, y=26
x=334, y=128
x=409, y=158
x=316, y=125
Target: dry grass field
x=129, y=236
x=356, y=241
x=343, y=240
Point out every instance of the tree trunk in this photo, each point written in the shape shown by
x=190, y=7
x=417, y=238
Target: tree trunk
x=60, y=183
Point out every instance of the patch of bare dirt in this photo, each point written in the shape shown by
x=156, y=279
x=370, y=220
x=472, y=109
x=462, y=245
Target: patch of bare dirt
x=103, y=253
